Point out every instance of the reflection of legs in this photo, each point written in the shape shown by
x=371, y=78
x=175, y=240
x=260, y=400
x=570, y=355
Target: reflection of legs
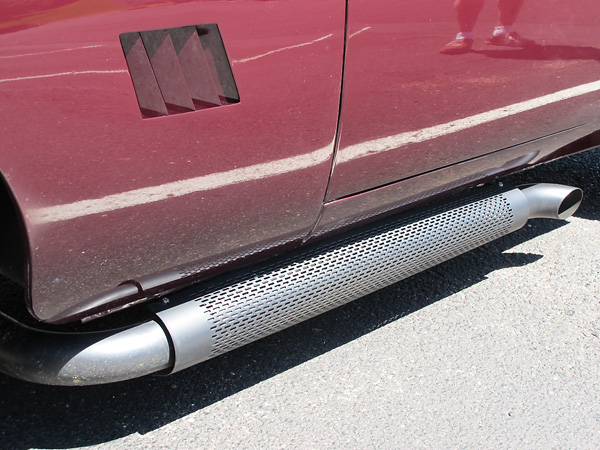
x=508, y=10
x=467, y=12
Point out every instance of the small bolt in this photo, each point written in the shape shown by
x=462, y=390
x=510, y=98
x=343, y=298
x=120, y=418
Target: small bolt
x=165, y=300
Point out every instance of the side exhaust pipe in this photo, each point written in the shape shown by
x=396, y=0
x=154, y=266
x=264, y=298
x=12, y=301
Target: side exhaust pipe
x=200, y=322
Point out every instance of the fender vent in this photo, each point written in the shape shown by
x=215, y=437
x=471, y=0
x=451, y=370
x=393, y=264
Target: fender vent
x=179, y=70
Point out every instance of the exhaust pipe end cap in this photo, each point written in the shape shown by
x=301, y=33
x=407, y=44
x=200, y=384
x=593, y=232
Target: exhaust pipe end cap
x=570, y=204
x=552, y=201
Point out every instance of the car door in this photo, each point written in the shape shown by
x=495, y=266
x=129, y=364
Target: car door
x=409, y=109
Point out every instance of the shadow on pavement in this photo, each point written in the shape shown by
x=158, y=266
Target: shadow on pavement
x=58, y=417
x=544, y=53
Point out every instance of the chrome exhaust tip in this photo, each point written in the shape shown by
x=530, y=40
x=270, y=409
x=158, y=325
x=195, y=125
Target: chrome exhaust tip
x=552, y=201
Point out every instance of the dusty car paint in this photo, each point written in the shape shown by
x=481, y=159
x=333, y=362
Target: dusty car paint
x=118, y=208
x=109, y=197
x=408, y=109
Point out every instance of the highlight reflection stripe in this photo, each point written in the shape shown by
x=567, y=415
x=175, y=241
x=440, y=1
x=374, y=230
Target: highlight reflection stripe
x=63, y=74
x=425, y=134
x=264, y=170
x=179, y=188
x=51, y=51
x=356, y=33
x=303, y=44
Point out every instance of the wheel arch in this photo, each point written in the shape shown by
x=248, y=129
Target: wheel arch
x=14, y=244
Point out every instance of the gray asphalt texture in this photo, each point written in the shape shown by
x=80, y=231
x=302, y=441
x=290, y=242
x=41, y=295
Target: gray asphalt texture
x=496, y=349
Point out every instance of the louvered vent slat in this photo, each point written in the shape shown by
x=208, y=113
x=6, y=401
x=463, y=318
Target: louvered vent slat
x=179, y=70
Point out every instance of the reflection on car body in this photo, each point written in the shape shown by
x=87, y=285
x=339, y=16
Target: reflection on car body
x=154, y=146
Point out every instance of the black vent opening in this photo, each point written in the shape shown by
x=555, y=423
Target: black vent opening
x=178, y=70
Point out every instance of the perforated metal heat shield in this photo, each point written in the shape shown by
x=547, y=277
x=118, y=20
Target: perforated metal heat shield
x=252, y=304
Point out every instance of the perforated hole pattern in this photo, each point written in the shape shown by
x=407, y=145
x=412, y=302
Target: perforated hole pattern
x=283, y=294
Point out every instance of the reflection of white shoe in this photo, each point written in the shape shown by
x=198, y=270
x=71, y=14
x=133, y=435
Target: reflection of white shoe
x=510, y=40
x=457, y=46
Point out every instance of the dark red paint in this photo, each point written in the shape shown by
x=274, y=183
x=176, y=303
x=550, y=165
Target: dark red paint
x=200, y=188
x=118, y=208
x=397, y=81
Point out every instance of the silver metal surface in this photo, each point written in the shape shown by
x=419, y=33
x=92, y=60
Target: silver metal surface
x=81, y=358
x=552, y=201
x=213, y=318
x=331, y=275
x=519, y=208
x=130, y=353
x=190, y=331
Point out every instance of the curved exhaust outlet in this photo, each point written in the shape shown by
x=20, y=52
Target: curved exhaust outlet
x=201, y=322
x=82, y=358
x=552, y=201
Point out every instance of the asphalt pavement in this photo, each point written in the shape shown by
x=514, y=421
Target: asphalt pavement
x=496, y=349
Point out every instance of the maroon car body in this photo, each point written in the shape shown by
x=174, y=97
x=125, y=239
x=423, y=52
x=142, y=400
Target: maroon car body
x=347, y=112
